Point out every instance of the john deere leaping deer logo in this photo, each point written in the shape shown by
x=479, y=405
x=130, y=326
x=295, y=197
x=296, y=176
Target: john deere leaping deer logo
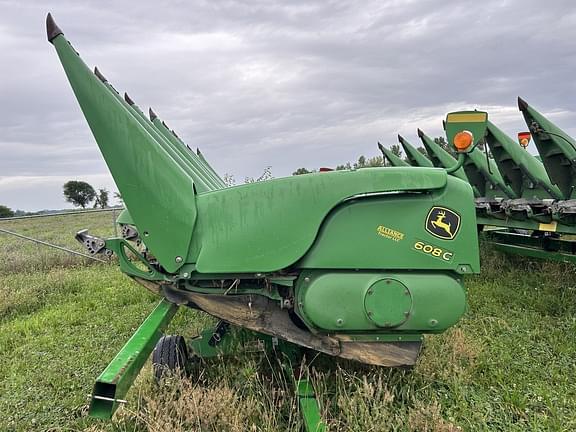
x=443, y=223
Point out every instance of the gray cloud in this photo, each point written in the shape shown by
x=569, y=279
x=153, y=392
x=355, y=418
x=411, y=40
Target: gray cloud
x=281, y=84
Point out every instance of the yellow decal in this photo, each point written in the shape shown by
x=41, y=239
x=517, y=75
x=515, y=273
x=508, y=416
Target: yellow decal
x=434, y=251
x=550, y=227
x=389, y=233
x=477, y=117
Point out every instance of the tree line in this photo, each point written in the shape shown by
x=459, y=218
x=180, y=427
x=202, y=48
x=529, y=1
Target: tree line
x=379, y=161
x=79, y=193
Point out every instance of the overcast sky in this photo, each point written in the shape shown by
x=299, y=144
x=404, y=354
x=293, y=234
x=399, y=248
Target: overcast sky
x=269, y=83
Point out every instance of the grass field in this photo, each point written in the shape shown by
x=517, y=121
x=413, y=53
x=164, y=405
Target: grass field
x=509, y=365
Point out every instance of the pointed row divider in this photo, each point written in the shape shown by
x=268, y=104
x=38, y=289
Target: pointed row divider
x=482, y=173
x=442, y=159
x=512, y=172
x=203, y=159
x=524, y=173
x=394, y=160
x=414, y=156
x=200, y=184
x=556, y=148
x=196, y=157
x=194, y=160
x=139, y=165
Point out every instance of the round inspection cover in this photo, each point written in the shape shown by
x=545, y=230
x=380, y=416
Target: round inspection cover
x=388, y=303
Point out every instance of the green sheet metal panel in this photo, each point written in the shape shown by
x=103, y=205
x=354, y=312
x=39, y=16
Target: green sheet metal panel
x=267, y=226
x=391, y=231
x=413, y=302
x=388, y=302
x=158, y=193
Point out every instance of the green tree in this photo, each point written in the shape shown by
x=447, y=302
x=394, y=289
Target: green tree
x=300, y=171
x=101, y=199
x=396, y=150
x=266, y=175
x=345, y=166
x=364, y=162
x=376, y=161
x=229, y=180
x=361, y=162
x=79, y=193
x=5, y=211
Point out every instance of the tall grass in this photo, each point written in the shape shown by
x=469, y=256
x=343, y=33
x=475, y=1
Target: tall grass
x=22, y=256
x=508, y=365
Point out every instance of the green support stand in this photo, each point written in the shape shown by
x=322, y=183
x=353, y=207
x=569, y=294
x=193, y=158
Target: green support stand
x=224, y=340
x=309, y=406
x=542, y=247
x=534, y=253
x=113, y=384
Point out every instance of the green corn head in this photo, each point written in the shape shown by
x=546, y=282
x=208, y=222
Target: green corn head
x=513, y=189
x=356, y=263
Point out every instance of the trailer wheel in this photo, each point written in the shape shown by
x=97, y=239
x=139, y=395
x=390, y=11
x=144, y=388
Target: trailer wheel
x=170, y=354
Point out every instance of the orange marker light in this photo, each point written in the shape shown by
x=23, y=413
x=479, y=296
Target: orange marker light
x=524, y=138
x=463, y=140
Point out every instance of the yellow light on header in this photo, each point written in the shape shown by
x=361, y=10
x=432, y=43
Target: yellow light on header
x=463, y=140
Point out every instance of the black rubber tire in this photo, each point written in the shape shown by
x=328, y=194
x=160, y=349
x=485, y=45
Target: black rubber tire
x=170, y=354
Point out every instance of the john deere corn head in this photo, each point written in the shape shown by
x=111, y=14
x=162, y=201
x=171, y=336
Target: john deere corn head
x=353, y=264
x=523, y=203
